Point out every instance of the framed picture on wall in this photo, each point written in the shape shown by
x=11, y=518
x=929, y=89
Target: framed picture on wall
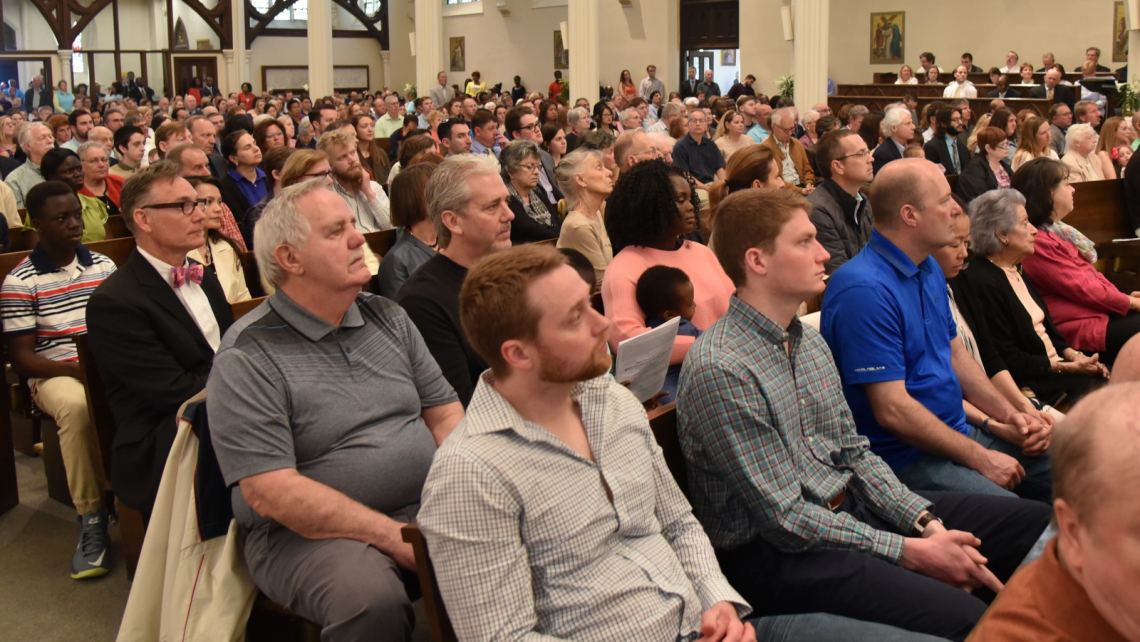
x=457, y=52
x=888, y=38
x=1119, y=34
x=728, y=57
x=561, y=54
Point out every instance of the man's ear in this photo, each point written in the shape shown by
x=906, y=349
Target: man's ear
x=142, y=220
x=756, y=261
x=286, y=258
x=517, y=355
x=908, y=215
x=450, y=220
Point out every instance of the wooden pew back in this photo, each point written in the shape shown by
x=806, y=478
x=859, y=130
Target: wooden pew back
x=663, y=422
x=439, y=624
x=380, y=242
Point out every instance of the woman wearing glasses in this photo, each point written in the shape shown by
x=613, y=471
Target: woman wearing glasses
x=536, y=219
x=219, y=253
x=269, y=134
x=98, y=182
x=989, y=169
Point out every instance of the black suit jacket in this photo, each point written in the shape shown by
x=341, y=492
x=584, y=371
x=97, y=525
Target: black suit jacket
x=977, y=178
x=1009, y=93
x=152, y=358
x=886, y=152
x=689, y=87
x=1010, y=325
x=1061, y=94
x=45, y=98
x=234, y=199
x=218, y=166
x=937, y=152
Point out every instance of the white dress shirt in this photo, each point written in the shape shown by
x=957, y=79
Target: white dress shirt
x=960, y=90
x=193, y=298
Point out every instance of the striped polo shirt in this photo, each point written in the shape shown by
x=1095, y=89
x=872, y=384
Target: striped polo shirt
x=42, y=298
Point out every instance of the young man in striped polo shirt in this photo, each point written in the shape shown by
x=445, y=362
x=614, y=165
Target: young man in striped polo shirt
x=43, y=303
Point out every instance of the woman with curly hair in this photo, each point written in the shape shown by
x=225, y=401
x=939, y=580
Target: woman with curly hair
x=649, y=211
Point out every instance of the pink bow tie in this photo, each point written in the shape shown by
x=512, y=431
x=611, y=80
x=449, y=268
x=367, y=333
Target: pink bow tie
x=192, y=272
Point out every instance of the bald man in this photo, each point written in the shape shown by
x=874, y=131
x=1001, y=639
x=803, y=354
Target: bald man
x=886, y=316
x=1085, y=586
x=1127, y=365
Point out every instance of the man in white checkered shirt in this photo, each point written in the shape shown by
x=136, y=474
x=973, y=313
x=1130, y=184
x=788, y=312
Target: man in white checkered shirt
x=550, y=513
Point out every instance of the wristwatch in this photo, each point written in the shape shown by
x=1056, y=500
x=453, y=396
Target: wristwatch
x=924, y=521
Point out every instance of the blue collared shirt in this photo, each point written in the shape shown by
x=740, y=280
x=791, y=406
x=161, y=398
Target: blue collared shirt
x=252, y=191
x=887, y=319
x=480, y=149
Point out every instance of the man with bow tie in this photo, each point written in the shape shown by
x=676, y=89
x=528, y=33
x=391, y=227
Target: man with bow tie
x=154, y=326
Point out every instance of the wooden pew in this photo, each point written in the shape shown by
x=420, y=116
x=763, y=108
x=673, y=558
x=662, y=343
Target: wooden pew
x=116, y=228
x=978, y=105
x=1098, y=212
x=898, y=91
x=131, y=526
x=242, y=308
x=439, y=624
x=380, y=242
x=947, y=77
x=663, y=422
x=9, y=489
x=252, y=275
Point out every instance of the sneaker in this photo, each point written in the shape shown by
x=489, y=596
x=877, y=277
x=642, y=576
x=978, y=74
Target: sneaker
x=91, y=554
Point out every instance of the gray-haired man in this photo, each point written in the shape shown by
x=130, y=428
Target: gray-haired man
x=326, y=470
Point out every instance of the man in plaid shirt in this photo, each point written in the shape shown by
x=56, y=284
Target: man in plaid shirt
x=550, y=512
x=804, y=516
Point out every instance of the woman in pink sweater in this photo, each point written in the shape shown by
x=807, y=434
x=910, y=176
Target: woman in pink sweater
x=1090, y=312
x=649, y=211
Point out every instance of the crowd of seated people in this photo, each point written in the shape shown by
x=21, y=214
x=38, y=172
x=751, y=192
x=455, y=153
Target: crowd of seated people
x=879, y=473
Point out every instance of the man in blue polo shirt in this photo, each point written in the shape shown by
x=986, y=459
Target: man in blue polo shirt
x=698, y=155
x=887, y=319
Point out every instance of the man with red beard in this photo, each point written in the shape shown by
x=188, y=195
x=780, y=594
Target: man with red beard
x=365, y=197
x=467, y=202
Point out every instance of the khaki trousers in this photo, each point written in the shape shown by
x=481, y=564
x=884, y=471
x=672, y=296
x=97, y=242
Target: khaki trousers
x=65, y=400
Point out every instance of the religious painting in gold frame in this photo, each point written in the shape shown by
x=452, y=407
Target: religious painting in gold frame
x=1119, y=33
x=888, y=38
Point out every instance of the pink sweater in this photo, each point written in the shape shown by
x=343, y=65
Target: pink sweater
x=1078, y=297
x=711, y=290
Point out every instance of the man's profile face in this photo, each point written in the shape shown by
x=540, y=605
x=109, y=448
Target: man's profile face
x=60, y=223
x=905, y=129
x=218, y=121
x=458, y=140
x=528, y=129
x=170, y=228
x=1092, y=117
x=1064, y=117
x=83, y=126
x=194, y=163
x=327, y=118
x=485, y=224
x=796, y=267
x=345, y=165
x=333, y=255
x=937, y=219
x=856, y=165
x=924, y=61
x=203, y=135
x=570, y=345
x=485, y=133
x=748, y=108
x=632, y=121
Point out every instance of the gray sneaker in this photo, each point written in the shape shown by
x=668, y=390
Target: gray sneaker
x=91, y=554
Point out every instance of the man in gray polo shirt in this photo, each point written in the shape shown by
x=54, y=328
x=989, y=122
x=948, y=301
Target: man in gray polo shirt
x=326, y=409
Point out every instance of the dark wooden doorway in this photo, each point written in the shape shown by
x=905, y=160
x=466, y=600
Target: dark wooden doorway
x=187, y=68
x=702, y=60
x=707, y=24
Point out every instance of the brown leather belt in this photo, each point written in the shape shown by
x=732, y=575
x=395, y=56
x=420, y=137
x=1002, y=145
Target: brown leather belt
x=835, y=503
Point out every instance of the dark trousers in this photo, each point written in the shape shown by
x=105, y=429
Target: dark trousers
x=1118, y=332
x=863, y=587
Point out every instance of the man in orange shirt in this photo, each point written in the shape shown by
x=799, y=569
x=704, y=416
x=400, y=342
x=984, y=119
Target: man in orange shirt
x=1085, y=586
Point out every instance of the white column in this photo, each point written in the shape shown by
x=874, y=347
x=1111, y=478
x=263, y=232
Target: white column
x=810, y=25
x=320, y=48
x=430, y=58
x=585, y=52
x=386, y=61
x=64, y=69
x=237, y=68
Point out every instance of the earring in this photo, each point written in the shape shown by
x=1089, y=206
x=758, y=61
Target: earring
x=1005, y=241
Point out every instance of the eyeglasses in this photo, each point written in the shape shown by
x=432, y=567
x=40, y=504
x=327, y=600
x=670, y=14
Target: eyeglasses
x=274, y=136
x=529, y=167
x=187, y=207
x=324, y=174
x=532, y=127
x=863, y=153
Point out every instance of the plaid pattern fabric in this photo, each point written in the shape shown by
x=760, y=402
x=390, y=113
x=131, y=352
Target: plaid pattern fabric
x=769, y=441
x=230, y=229
x=525, y=540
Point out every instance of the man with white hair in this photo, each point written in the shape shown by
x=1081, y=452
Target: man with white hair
x=1054, y=90
x=104, y=137
x=669, y=111
x=897, y=129
x=468, y=204
x=36, y=140
x=1084, y=586
x=38, y=95
x=961, y=87
x=631, y=119
x=791, y=157
x=1011, y=63
x=366, y=199
x=709, y=86
x=1047, y=62
x=441, y=93
x=324, y=483
x=390, y=120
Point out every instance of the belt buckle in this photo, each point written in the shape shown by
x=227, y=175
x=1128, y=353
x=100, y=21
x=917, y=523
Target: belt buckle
x=837, y=501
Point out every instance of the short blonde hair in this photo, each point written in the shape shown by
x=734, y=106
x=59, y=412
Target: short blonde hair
x=336, y=139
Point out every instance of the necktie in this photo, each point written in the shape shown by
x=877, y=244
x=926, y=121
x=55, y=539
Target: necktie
x=192, y=272
x=954, y=154
x=958, y=92
x=1050, y=94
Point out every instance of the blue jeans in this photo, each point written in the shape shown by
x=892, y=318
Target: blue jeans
x=824, y=627
x=929, y=472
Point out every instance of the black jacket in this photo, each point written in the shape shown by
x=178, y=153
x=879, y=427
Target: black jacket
x=689, y=87
x=1009, y=93
x=974, y=314
x=978, y=178
x=234, y=199
x=937, y=152
x=1132, y=192
x=525, y=229
x=1010, y=325
x=839, y=230
x=1061, y=94
x=886, y=152
x=152, y=358
x=218, y=166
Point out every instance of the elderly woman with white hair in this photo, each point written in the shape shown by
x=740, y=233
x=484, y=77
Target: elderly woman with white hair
x=586, y=182
x=1020, y=325
x=808, y=120
x=1080, y=141
x=579, y=121
x=536, y=219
